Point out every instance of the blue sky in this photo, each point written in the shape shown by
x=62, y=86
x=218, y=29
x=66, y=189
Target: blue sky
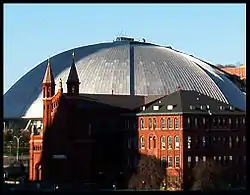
x=32, y=32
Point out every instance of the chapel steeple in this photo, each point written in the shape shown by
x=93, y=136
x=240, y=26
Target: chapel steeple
x=73, y=80
x=48, y=84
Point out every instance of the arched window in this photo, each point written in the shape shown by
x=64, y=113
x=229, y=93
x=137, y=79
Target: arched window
x=154, y=142
x=142, y=123
x=150, y=123
x=154, y=123
x=142, y=142
x=163, y=142
x=177, y=142
x=176, y=123
x=170, y=142
x=170, y=123
x=150, y=144
x=163, y=123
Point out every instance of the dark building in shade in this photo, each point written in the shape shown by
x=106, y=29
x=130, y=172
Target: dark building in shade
x=91, y=138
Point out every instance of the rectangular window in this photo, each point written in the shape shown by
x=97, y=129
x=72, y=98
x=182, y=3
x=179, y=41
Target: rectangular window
x=176, y=121
x=204, y=158
x=189, y=161
x=196, y=160
x=163, y=161
x=177, y=162
x=189, y=142
x=170, y=161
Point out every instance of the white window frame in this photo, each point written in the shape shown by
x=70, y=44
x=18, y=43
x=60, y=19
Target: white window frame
x=163, y=121
x=142, y=125
x=189, y=140
x=170, y=157
x=154, y=123
x=178, y=123
x=142, y=142
x=175, y=160
x=163, y=144
x=170, y=121
x=177, y=144
x=170, y=146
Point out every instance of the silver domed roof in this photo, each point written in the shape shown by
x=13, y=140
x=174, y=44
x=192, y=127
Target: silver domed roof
x=125, y=69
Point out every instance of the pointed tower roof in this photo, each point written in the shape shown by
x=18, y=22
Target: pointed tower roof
x=48, y=77
x=73, y=76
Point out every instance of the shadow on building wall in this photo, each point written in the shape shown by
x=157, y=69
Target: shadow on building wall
x=89, y=142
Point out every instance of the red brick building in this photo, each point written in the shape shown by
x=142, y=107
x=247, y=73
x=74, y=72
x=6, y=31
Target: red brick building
x=95, y=138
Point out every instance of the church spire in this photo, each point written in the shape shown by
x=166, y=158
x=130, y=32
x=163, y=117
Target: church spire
x=73, y=80
x=73, y=76
x=48, y=82
x=48, y=77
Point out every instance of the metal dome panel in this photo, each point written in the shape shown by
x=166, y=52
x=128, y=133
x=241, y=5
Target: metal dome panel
x=126, y=69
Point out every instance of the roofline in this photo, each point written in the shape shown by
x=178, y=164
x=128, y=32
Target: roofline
x=189, y=113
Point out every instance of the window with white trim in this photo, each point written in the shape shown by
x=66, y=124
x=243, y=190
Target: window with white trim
x=150, y=145
x=170, y=123
x=170, y=142
x=142, y=142
x=170, y=161
x=177, y=162
x=243, y=120
x=163, y=161
x=196, y=160
x=196, y=122
x=176, y=123
x=154, y=123
x=236, y=122
x=177, y=142
x=230, y=142
x=203, y=141
x=230, y=122
x=189, y=142
x=150, y=123
x=154, y=142
x=163, y=123
x=189, y=122
x=189, y=161
x=142, y=123
x=163, y=142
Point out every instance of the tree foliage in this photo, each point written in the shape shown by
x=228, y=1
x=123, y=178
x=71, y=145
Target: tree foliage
x=149, y=174
x=209, y=176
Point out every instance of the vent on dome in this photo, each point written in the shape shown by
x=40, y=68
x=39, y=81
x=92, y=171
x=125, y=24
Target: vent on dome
x=125, y=39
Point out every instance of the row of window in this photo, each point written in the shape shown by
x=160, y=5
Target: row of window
x=217, y=122
x=152, y=142
x=203, y=141
x=37, y=148
x=225, y=160
x=152, y=123
x=169, y=163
